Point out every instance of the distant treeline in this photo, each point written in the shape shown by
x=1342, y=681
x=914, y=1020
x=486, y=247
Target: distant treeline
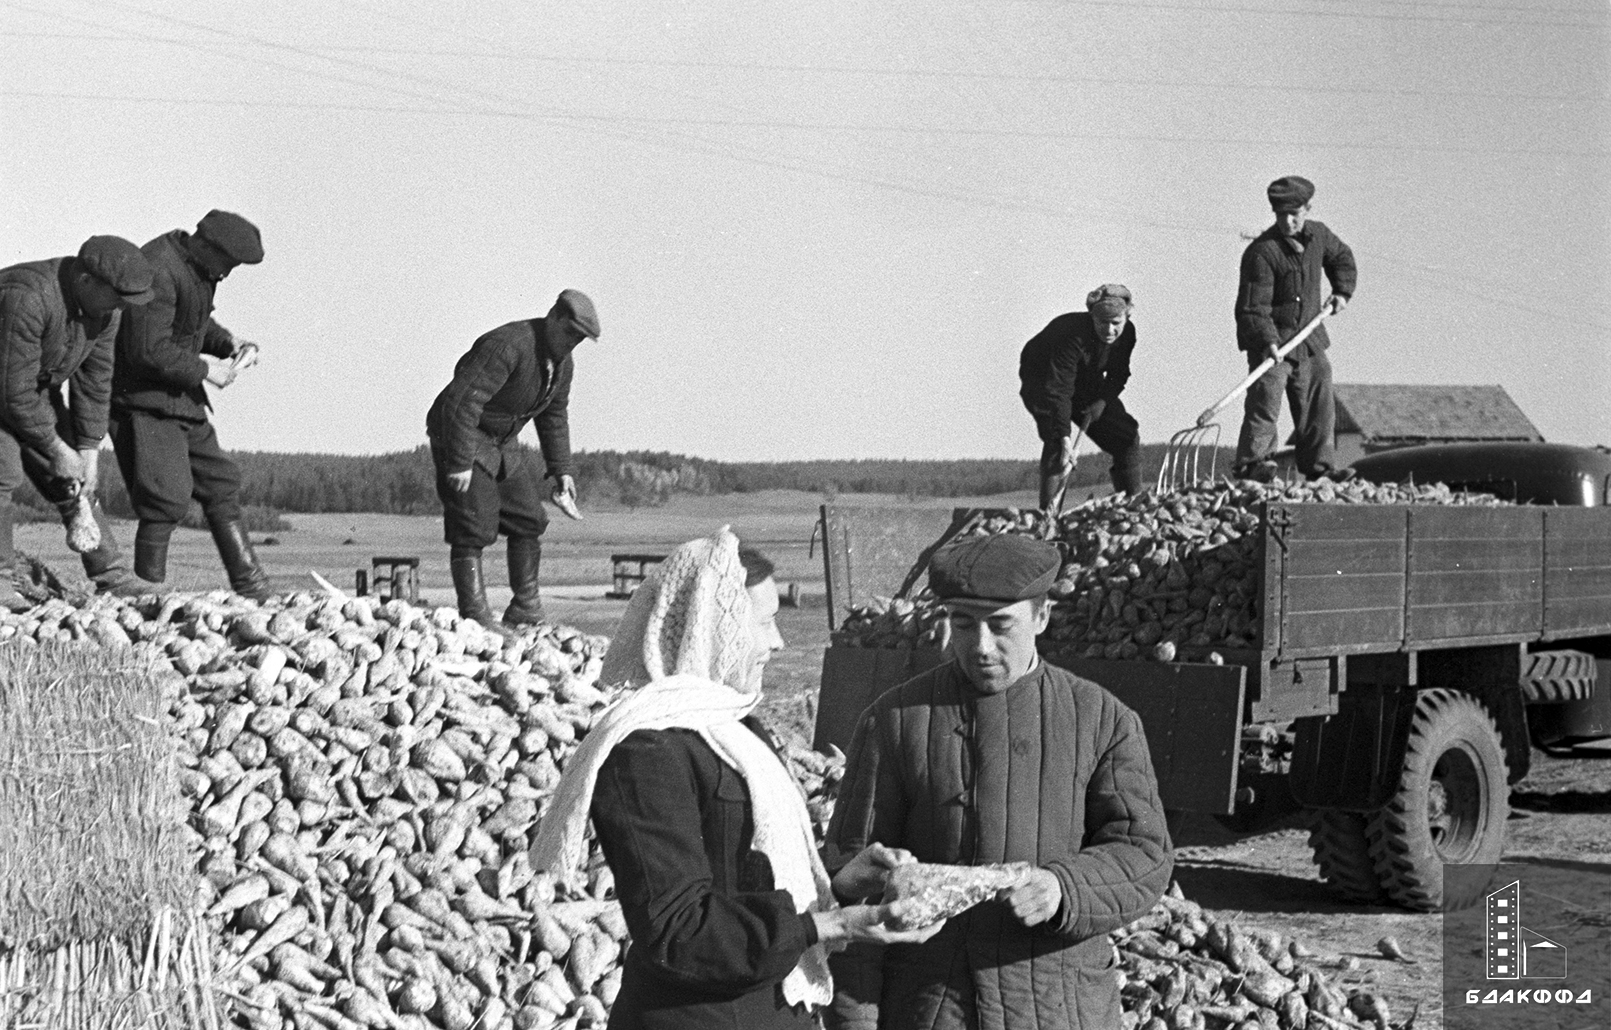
x=403, y=482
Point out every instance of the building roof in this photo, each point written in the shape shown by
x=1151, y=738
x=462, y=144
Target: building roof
x=1403, y=414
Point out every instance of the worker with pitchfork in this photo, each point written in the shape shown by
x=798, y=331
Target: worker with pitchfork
x=165, y=444
x=58, y=321
x=1279, y=294
x=517, y=373
x=1072, y=373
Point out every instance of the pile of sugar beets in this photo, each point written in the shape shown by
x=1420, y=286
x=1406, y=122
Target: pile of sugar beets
x=365, y=780
x=1147, y=576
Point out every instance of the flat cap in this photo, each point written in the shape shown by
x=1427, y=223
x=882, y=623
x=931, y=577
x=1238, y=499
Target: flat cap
x=1289, y=192
x=1109, y=299
x=580, y=308
x=119, y=264
x=1004, y=568
x=232, y=234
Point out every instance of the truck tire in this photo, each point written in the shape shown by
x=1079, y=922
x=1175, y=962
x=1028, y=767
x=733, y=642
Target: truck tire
x=1450, y=806
x=1557, y=676
x=1337, y=839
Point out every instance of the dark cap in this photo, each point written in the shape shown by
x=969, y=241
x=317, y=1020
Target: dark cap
x=1290, y=192
x=235, y=236
x=576, y=304
x=1109, y=299
x=1000, y=569
x=119, y=264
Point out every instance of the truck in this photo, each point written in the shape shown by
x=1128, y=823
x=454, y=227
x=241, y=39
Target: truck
x=1407, y=661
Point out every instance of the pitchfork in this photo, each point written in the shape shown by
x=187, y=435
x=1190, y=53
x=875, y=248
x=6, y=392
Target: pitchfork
x=1183, y=459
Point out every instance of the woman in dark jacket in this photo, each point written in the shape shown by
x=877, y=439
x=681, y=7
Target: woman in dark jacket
x=730, y=910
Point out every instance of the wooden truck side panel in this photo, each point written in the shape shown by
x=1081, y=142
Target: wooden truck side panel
x=1577, y=572
x=1338, y=577
x=1475, y=575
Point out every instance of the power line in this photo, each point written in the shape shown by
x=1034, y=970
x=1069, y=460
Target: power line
x=876, y=72
x=557, y=114
x=1339, y=11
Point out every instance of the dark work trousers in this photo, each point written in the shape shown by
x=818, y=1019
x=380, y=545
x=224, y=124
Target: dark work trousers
x=167, y=461
x=1307, y=384
x=1117, y=433
x=510, y=502
x=18, y=462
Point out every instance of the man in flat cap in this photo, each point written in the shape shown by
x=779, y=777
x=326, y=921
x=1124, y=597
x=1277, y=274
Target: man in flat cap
x=998, y=757
x=1072, y=373
x=165, y=443
x=517, y=373
x=1279, y=294
x=58, y=321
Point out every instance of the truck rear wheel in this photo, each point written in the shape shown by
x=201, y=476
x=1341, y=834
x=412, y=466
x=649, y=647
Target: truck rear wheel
x=1342, y=852
x=1450, y=806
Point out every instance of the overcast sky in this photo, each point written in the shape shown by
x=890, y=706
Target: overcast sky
x=825, y=229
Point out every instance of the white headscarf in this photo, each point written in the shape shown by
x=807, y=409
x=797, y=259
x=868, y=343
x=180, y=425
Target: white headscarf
x=684, y=649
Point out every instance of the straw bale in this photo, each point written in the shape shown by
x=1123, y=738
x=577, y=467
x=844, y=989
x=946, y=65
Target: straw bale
x=95, y=843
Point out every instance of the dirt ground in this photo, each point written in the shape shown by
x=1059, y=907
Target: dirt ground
x=1561, y=813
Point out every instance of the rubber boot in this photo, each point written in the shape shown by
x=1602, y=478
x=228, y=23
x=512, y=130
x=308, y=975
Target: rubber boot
x=151, y=552
x=246, y=576
x=10, y=599
x=525, y=562
x=471, y=587
x=1126, y=474
x=1049, y=485
x=105, y=565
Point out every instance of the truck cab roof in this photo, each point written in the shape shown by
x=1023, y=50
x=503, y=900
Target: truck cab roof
x=1526, y=473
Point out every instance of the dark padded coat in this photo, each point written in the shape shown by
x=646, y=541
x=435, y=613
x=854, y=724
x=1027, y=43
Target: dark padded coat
x=1279, y=292
x=712, y=936
x=45, y=341
x=502, y=382
x=1053, y=771
x=1063, y=368
x=159, y=347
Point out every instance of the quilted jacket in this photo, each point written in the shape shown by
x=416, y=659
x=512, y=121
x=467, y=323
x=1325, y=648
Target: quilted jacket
x=1279, y=292
x=46, y=341
x=159, y=347
x=1063, y=368
x=712, y=934
x=1053, y=770
x=502, y=382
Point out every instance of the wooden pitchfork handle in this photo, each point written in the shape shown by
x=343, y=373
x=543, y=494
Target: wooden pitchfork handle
x=1068, y=473
x=1264, y=366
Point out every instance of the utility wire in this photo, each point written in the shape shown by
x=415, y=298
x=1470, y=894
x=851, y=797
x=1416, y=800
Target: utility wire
x=1338, y=10
x=877, y=72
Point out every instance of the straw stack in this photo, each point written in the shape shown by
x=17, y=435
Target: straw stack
x=97, y=882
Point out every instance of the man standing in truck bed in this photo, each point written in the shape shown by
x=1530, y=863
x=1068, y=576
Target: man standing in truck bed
x=1278, y=295
x=514, y=374
x=1072, y=373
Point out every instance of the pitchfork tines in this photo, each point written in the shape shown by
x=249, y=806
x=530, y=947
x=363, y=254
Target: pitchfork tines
x=1183, y=462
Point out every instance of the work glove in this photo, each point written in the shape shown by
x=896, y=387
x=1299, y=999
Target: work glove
x=460, y=481
x=220, y=373
x=564, y=497
x=1337, y=303
x=90, y=458
x=1091, y=412
x=65, y=462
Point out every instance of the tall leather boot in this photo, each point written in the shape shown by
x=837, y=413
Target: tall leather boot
x=246, y=576
x=10, y=599
x=1049, y=485
x=151, y=551
x=471, y=588
x=105, y=566
x=1126, y=474
x=525, y=562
